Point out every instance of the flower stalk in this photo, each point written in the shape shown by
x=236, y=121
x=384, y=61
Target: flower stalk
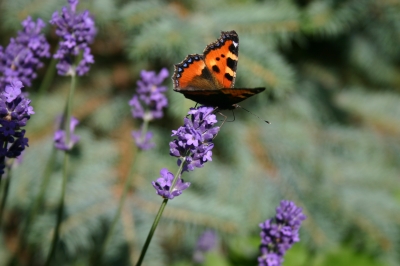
x=151, y=232
x=5, y=192
x=60, y=211
x=48, y=78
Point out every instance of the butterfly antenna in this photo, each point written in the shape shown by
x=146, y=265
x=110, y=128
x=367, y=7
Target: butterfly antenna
x=238, y=106
x=234, y=118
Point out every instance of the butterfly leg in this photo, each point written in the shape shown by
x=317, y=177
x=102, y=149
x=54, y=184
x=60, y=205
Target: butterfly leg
x=221, y=123
x=215, y=111
x=225, y=118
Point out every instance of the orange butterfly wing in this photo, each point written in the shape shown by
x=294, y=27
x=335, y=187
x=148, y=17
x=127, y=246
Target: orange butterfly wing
x=209, y=79
x=192, y=73
x=221, y=58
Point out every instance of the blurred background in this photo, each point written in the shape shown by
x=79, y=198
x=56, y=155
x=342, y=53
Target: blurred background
x=332, y=73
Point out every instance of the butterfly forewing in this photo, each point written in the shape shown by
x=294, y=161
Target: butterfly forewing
x=221, y=58
x=192, y=73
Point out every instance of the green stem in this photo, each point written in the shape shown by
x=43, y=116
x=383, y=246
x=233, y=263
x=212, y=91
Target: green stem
x=110, y=231
x=60, y=211
x=158, y=217
x=48, y=77
x=1, y=175
x=69, y=110
x=66, y=126
x=145, y=126
x=3, y=159
x=5, y=192
x=152, y=230
x=178, y=173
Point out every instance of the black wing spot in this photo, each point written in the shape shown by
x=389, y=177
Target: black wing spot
x=215, y=68
x=217, y=58
x=231, y=63
x=228, y=76
x=233, y=49
x=222, y=55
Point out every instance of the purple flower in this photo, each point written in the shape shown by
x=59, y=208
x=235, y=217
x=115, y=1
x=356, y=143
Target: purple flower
x=148, y=103
x=21, y=58
x=15, y=111
x=11, y=147
x=17, y=145
x=280, y=233
x=193, y=144
x=206, y=242
x=12, y=90
x=77, y=31
x=60, y=137
x=149, y=100
x=143, y=141
x=164, y=183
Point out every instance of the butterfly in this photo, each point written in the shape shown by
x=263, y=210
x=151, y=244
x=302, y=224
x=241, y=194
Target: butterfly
x=208, y=79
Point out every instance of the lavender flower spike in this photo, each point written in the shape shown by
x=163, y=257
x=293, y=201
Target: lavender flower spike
x=77, y=31
x=194, y=139
x=149, y=100
x=280, y=233
x=15, y=111
x=60, y=137
x=164, y=183
x=206, y=242
x=21, y=58
x=147, y=104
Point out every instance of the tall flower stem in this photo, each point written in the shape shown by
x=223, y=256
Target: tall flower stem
x=110, y=231
x=67, y=120
x=151, y=233
x=66, y=126
x=145, y=127
x=60, y=211
x=2, y=159
x=5, y=192
x=158, y=217
x=48, y=77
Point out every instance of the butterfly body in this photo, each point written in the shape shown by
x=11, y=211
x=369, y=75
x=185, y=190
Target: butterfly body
x=209, y=79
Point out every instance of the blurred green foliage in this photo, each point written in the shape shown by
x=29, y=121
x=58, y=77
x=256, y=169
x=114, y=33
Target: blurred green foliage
x=332, y=73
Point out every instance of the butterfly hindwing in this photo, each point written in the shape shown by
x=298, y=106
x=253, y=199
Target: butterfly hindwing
x=223, y=98
x=221, y=58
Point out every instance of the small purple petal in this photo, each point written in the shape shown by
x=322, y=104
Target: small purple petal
x=164, y=183
x=143, y=142
x=60, y=136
